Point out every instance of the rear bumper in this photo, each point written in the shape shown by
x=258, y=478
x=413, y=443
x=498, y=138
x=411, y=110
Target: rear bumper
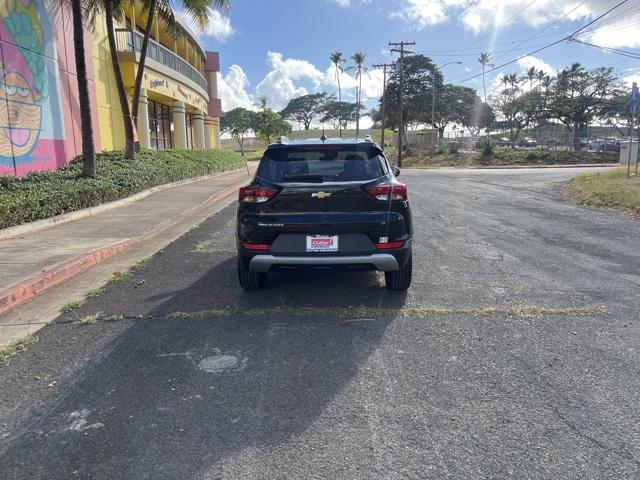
x=380, y=261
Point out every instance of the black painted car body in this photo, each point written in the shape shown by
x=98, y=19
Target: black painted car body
x=333, y=204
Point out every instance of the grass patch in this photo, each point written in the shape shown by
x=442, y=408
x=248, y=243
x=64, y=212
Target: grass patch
x=46, y=194
x=74, y=305
x=19, y=346
x=118, y=277
x=610, y=189
x=368, y=312
x=501, y=157
x=114, y=318
x=90, y=319
x=140, y=264
x=95, y=292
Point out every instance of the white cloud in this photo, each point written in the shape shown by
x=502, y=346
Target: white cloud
x=232, y=89
x=371, y=83
x=529, y=61
x=219, y=26
x=481, y=15
x=342, y=3
x=279, y=84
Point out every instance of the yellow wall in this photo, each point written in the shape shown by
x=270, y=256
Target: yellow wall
x=109, y=111
x=159, y=87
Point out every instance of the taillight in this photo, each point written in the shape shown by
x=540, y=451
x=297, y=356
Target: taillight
x=397, y=191
x=256, y=194
x=388, y=245
x=256, y=246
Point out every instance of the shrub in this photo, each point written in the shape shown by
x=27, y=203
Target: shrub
x=487, y=145
x=453, y=148
x=42, y=195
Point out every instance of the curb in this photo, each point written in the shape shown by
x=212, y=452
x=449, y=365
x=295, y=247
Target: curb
x=49, y=277
x=514, y=167
x=56, y=274
x=23, y=229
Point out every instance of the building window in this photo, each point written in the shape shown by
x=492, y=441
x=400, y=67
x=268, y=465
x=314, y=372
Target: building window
x=159, y=126
x=189, y=123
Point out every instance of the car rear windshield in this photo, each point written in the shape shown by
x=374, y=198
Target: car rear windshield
x=322, y=163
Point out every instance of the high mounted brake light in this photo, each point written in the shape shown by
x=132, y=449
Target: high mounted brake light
x=397, y=191
x=256, y=194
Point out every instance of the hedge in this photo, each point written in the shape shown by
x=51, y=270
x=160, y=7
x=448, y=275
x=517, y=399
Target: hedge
x=46, y=194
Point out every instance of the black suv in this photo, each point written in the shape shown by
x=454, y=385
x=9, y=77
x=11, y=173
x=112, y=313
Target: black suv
x=324, y=204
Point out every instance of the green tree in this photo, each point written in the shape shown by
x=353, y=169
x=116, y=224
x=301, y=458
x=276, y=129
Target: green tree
x=578, y=95
x=419, y=76
x=454, y=104
x=304, y=109
x=237, y=123
x=337, y=60
x=86, y=120
x=269, y=124
x=339, y=114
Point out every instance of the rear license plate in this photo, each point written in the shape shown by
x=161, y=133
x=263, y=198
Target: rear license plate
x=322, y=243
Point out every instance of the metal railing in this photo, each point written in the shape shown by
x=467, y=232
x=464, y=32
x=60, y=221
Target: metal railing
x=129, y=41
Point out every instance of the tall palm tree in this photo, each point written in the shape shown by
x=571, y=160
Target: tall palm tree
x=359, y=68
x=113, y=10
x=532, y=74
x=86, y=126
x=198, y=10
x=262, y=100
x=484, y=59
x=540, y=77
x=337, y=60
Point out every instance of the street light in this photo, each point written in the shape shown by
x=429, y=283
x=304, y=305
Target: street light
x=433, y=101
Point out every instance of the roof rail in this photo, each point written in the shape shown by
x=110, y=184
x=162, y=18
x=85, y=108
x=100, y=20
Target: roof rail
x=368, y=138
x=281, y=140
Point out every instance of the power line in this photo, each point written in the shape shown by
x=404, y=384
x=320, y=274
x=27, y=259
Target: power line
x=608, y=49
x=558, y=20
x=496, y=27
x=550, y=44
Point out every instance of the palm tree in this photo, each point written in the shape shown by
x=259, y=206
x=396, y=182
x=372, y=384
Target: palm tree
x=540, y=77
x=113, y=10
x=484, y=59
x=86, y=126
x=198, y=10
x=337, y=60
x=262, y=100
x=359, y=68
x=532, y=73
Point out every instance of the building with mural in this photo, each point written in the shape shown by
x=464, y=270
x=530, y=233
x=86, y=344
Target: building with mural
x=39, y=112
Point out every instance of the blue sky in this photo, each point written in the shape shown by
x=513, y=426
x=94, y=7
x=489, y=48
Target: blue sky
x=281, y=48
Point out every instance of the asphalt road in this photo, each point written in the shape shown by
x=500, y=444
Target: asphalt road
x=325, y=376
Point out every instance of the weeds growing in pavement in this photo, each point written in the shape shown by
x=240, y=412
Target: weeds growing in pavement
x=74, y=305
x=19, y=346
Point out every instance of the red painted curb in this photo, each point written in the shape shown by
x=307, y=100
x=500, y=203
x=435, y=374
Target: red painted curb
x=18, y=293
x=225, y=193
x=23, y=291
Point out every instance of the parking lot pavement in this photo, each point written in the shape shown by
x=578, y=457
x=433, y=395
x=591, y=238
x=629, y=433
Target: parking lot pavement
x=514, y=354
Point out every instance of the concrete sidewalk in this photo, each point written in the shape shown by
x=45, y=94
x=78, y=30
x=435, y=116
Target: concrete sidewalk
x=36, y=261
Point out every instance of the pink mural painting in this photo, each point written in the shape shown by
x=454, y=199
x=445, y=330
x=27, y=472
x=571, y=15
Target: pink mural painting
x=32, y=135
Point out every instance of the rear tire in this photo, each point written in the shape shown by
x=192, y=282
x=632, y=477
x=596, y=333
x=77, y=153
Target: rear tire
x=399, y=280
x=250, y=280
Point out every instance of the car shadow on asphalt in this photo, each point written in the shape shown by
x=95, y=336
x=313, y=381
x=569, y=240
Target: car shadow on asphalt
x=186, y=396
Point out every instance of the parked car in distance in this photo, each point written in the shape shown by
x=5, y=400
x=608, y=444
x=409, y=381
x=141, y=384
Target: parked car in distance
x=324, y=204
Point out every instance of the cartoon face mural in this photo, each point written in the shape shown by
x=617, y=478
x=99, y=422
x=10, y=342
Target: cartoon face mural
x=31, y=124
x=19, y=116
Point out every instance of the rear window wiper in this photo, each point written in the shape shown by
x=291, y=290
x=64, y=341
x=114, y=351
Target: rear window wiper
x=303, y=178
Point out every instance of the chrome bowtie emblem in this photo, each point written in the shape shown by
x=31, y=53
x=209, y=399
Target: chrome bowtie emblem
x=321, y=195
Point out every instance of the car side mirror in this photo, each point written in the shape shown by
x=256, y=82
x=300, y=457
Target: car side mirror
x=396, y=171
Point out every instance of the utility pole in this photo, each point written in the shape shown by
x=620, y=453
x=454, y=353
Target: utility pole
x=402, y=52
x=384, y=67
